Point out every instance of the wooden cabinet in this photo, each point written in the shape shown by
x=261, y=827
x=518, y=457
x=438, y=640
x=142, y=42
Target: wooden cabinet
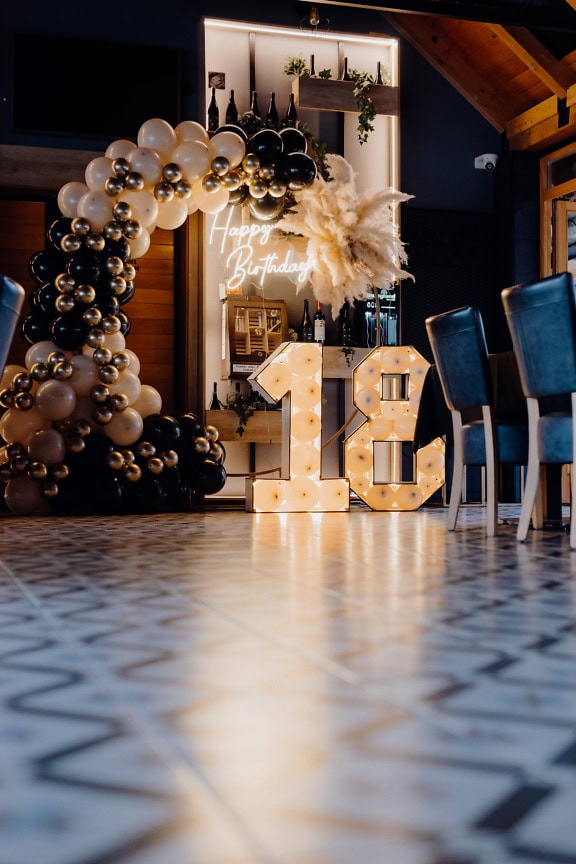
x=255, y=328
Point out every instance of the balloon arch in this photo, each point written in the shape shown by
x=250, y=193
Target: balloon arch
x=82, y=433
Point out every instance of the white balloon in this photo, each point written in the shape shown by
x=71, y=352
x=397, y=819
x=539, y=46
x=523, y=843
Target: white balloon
x=158, y=135
x=125, y=427
x=134, y=361
x=139, y=245
x=143, y=204
x=189, y=130
x=39, y=353
x=172, y=214
x=127, y=383
x=147, y=163
x=230, y=145
x=210, y=202
x=48, y=446
x=115, y=341
x=119, y=149
x=19, y=426
x=9, y=374
x=194, y=159
x=85, y=374
x=97, y=172
x=97, y=208
x=148, y=402
x=69, y=196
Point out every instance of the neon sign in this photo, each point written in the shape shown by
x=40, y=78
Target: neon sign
x=257, y=253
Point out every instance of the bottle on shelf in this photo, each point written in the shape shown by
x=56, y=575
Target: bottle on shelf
x=345, y=325
x=272, y=113
x=215, y=402
x=254, y=108
x=306, y=330
x=379, y=79
x=345, y=73
x=231, y=109
x=312, y=67
x=319, y=324
x=291, y=116
x=213, y=113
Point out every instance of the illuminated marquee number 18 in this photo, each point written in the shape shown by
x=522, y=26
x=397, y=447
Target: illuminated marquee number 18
x=295, y=370
x=394, y=421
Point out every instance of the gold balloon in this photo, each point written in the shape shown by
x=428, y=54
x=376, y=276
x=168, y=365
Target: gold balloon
x=65, y=283
x=15, y=449
x=59, y=472
x=155, y=465
x=129, y=271
x=82, y=428
x=117, y=285
x=134, y=181
x=111, y=324
x=129, y=456
x=19, y=464
x=55, y=357
x=169, y=458
x=220, y=165
x=258, y=188
x=113, y=186
x=172, y=172
x=133, y=472
x=22, y=381
x=232, y=181
x=6, y=398
x=85, y=294
x=108, y=374
x=64, y=303
x=145, y=449
x=251, y=163
x=121, y=167
x=113, y=230
x=62, y=371
x=201, y=444
x=115, y=460
x=71, y=243
x=23, y=401
x=75, y=444
x=50, y=489
x=40, y=371
x=121, y=360
x=95, y=337
x=211, y=433
x=122, y=211
x=95, y=242
x=38, y=471
x=81, y=226
x=99, y=393
x=267, y=171
x=118, y=402
x=114, y=265
x=102, y=415
x=102, y=356
x=92, y=317
x=132, y=229
x=182, y=189
x=211, y=183
x=163, y=191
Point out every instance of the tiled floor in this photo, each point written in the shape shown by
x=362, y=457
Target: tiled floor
x=228, y=688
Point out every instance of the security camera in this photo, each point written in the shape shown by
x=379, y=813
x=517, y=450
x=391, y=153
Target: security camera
x=486, y=162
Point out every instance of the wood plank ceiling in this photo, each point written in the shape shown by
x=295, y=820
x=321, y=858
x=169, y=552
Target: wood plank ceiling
x=514, y=60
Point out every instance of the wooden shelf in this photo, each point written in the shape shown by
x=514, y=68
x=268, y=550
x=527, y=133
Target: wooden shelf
x=264, y=427
x=325, y=94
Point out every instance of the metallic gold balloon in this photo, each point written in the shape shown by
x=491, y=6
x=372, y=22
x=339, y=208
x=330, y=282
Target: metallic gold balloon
x=251, y=163
x=23, y=401
x=182, y=189
x=113, y=186
x=121, y=360
x=134, y=181
x=40, y=371
x=102, y=356
x=211, y=433
x=15, y=449
x=111, y=324
x=117, y=285
x=220, y=165
x=63, y=371
x=155, y=465
x=145, y=449
x=81, y=226
x=201, y=444
x=82, y=428
x=7, y=398
x=50, y=489
x=118, y=402
x=122, y=211
x=19, y=464
x=92, y=316
x=102, y=415
x=64, y=303
x=113, y=230
x=59, y=472
x=22, y=381
x=38, y=470
x=216, y=451
x=114, y=265
x=258, y=188
x=267, y=171
x=95, y=337
x=100, y=393
x=129, y=271
x=172, y=172
x=115, y=460
x=169, y=458
x=163, y=191
x=84, y=294
x=75, y=444
x=108, y=374
x=232, y=181
x=129, y=456
x=65, y=283
x=211, y=183
x=132, y=229
x=121, y=167
x=94, y=242
x=71, y=243
x=133, y=472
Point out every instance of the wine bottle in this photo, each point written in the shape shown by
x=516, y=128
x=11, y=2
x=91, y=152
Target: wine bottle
x=345, y=73
x=306, y=332
x=379, y=73
x=272, y=113
x=254, y=104
x=215, y=402
x=319, y=324
x=312, y=68
x=213, y=113
x=344, y=325
x=231, y=110
x=291, y=116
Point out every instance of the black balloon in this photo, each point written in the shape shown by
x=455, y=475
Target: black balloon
x=267, y=144
x=210, y=477
x=125, y=323
x=35, y=327
x=57, y=230
x=293, y=140
x=46, y=265
x=190, y=427
x=161, y=430
x=46, y=296
x=68, y=331
x=230, y=127
x=84, y=267
x=121, y=248
x=238, y=196
x=127, y=295
x=299, y=170
x=106, y=303
x=266, y=208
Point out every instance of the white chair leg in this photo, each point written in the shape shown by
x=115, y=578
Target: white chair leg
x=457, y=471
x=491, y=473
x=532, y=485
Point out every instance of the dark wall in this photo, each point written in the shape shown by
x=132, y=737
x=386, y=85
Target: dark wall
x=468, y=232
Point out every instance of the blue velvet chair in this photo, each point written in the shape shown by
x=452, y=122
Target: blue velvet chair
x=11, y=302
x=458, y=343
x=541, y=317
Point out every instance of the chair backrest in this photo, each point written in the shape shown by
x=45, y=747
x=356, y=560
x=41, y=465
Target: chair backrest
x=458, y=343
x=541, y=318
x=11, y=302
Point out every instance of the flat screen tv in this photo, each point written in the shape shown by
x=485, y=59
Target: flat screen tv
x=63, y=86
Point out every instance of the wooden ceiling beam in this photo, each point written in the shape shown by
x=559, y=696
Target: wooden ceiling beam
x=555, y=74
x=425, y=33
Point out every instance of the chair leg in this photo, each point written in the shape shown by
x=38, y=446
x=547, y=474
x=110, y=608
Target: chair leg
x=573, y=477
x=491, y=473
x=532, y=485
x=457, y=471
